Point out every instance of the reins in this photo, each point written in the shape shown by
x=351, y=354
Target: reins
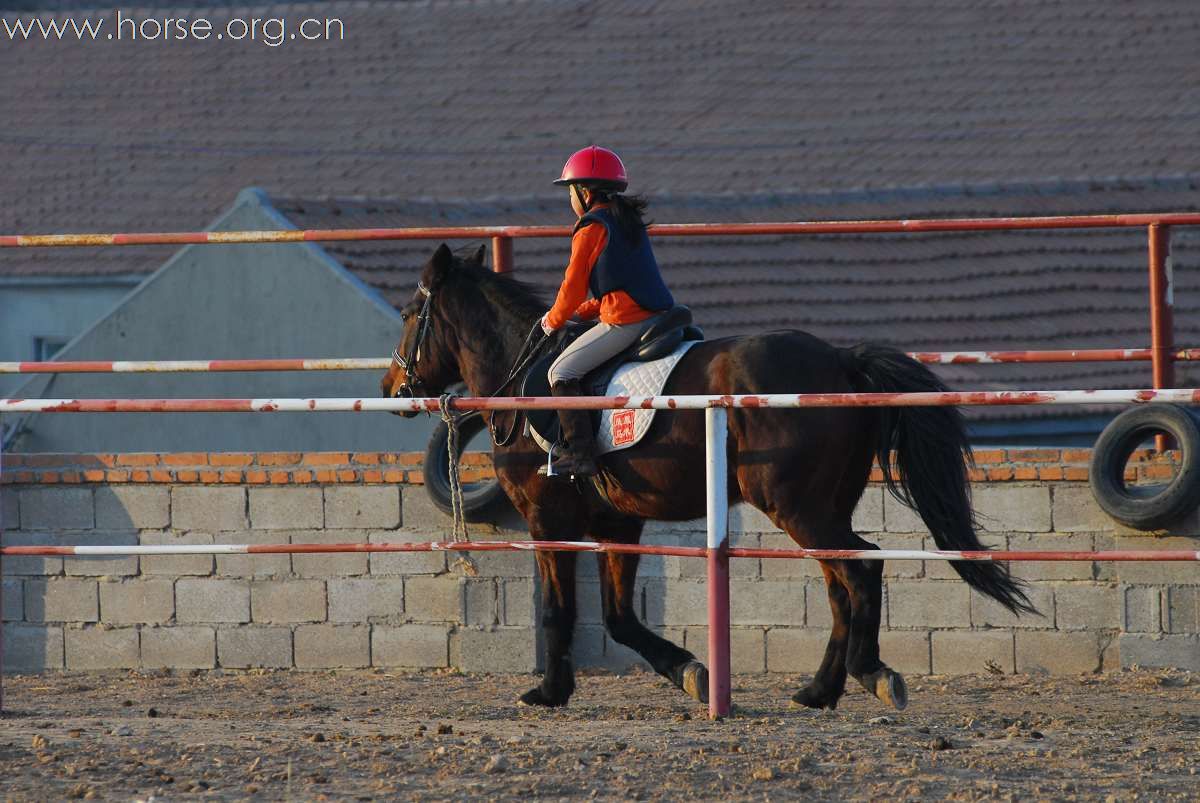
x=529, y=351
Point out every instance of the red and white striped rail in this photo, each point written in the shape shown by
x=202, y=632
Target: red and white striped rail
x=1055, y=556
x=760, y=401
x=383, y=363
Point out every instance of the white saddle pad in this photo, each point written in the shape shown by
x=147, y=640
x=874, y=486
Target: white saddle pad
x=620, y=429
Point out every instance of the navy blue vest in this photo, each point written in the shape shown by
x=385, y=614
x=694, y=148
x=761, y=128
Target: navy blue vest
x=624, y=265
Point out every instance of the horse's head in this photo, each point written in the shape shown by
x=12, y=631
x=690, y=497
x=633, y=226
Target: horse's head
x=424, y=362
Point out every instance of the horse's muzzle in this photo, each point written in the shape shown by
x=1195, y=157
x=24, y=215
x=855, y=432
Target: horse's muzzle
x=403, y=392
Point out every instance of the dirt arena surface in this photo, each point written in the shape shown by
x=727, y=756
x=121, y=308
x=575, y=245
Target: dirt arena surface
x=445, y=735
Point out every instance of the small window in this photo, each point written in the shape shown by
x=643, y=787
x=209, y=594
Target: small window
x=44, y=348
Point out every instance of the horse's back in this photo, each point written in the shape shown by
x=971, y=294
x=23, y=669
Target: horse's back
x=782, y=361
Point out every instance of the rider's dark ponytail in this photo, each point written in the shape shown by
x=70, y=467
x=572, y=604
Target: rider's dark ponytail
x=629, y=210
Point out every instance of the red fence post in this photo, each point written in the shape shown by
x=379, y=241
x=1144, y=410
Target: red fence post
x=502, y=254
x=1162, y=300
x=717, y=492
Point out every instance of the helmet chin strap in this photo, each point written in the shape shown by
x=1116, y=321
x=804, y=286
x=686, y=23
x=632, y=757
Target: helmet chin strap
x=584, y=202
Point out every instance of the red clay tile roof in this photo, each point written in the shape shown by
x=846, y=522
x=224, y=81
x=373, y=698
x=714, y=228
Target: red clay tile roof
x=945, y=291
x=458, y=99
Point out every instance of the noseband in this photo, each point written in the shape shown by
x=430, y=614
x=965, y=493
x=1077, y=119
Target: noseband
x=412, y=382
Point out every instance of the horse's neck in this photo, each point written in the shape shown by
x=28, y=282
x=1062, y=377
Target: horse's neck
x=484, y=372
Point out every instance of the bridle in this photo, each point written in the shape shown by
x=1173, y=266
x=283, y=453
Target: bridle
x=412, y=382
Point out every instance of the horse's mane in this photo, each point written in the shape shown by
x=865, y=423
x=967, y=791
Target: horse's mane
x=513, y=306
x=518, y=299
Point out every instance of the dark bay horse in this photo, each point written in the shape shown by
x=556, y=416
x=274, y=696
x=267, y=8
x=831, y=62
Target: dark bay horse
x=805, y=469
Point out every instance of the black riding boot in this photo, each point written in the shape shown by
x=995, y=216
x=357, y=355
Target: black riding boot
x=578, y=457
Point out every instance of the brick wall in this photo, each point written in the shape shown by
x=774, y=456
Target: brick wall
x=418, y=610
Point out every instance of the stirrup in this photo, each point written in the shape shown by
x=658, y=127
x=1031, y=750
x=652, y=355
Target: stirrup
x=548, y=469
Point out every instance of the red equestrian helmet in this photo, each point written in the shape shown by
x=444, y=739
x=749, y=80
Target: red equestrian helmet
x=596, y=168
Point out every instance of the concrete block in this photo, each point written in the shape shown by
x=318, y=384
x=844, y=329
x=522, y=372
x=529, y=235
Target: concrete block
x=817, y=612
x=1004, y=508
x=1087, y=606
x=32, y=648
x=362, y=506
x=618, y=657
x=480, y=601
x=500, y=649
x=61, y=600
x=366, y=599
x=133, y=507
x=410, y=645
x=745, y=518
x=1177, y=651
x=208, y=508
x=519, y=603
x=246, y=647
x=906, y=651
x=1052, y=570
x=899, y=518
x=868, y=515
x=792, y=649
x=176, y=565
x=1143, y=609
x=589, y=607
x=15, y=565
x=89, y=566
x=420, y=515
x=332, y=646
x=1075, y=510
x=327, y=564
x=1182, y=611
x=392, y=563
x=212, y=600
x=1059, y=653
x=675, y=602
x=289, y=508
x=926, y=603
x=13, y=600
x=179, y=647
x=747, y=648
x=966, y=652
x=1172, y=573
x=766, y=602
x=10, y=509
x=671, y=566
x=986, y=612
x=588, y=650
x=253, y=566
x=781, y=568
x=57, y=509
x=102, y=648
x=287, y=601
x=137, y=602
x=434, y=599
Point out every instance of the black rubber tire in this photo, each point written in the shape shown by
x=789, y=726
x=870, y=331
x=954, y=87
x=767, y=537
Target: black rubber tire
x=482, y=501
x=1119, y=440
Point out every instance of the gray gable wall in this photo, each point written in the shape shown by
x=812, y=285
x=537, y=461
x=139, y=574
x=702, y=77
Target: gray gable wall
x=235, y=301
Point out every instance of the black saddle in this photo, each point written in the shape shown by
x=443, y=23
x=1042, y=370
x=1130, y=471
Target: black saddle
x=672, y=328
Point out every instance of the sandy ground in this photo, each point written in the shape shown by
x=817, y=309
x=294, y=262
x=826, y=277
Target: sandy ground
x=441, y=735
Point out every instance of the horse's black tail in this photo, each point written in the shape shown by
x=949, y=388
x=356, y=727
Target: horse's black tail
x=932, y=457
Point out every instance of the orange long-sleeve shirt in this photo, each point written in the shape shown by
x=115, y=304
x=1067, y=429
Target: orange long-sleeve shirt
x=616, y=308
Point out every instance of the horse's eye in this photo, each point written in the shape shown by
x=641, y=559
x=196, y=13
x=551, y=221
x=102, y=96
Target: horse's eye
x=404, y=316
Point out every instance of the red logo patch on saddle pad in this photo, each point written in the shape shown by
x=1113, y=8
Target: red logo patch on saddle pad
x=622, y=427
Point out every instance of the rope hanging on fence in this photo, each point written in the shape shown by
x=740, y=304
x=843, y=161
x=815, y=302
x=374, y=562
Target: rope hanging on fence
x=459, y=534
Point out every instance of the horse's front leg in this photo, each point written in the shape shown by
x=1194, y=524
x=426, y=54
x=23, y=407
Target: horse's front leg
x=557, y=572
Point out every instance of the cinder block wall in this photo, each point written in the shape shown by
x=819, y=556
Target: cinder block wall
x=420, y=610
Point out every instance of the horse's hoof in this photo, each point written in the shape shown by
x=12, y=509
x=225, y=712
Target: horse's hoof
x=536, y=696
x=812, y=698
x=888, y=686
x=695, y=681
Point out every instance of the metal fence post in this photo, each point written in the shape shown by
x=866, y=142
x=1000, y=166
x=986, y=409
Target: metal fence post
x=1162, y=302
x=502, y=254
x=717, y=490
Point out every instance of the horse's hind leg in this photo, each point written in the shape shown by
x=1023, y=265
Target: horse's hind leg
x=863, y=580
x=618, y=575
x=829, y=683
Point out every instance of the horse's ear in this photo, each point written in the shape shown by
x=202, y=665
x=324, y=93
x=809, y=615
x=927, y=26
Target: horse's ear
x=442, y=262
x=479, y=254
